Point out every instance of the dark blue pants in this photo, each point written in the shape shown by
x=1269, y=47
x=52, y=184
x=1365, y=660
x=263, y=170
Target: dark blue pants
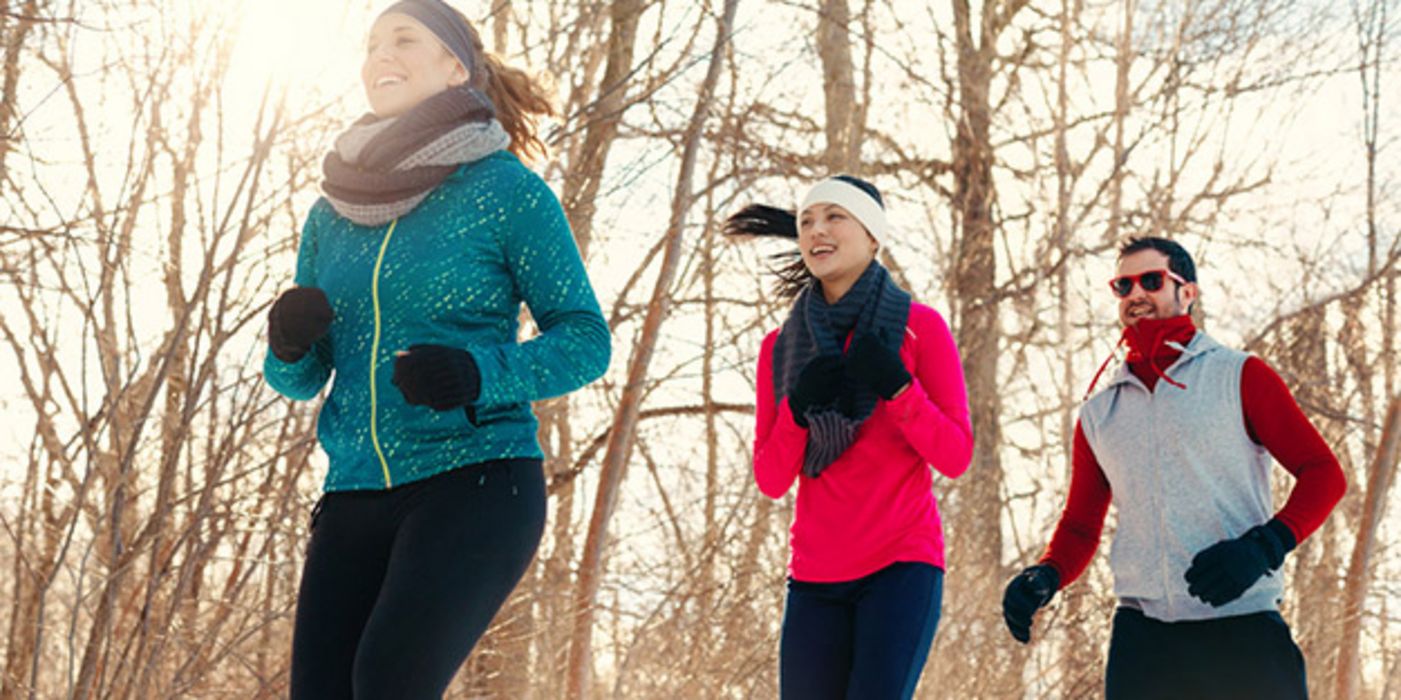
x=866, y=639
x=400, y=584
x=1245, y=657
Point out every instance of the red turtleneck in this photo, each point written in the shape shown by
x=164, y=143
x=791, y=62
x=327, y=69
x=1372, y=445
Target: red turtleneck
x=1272, y=418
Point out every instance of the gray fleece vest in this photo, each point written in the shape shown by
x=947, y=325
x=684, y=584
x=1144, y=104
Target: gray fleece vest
x=1185, y=475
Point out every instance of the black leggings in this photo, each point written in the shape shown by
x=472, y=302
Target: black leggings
x=1244, y=657
x=400, y=584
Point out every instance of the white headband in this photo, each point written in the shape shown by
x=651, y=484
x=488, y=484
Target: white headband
x=851, y=198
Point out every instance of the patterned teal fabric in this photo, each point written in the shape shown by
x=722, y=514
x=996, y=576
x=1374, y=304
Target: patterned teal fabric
x=454, y=271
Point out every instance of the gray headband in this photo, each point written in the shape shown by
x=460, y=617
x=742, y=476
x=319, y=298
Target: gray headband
x=445, y=24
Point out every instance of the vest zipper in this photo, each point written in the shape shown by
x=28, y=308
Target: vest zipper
x=374, y=356
x=1159, y=500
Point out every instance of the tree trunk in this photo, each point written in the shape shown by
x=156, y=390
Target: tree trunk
x=1081, y=657
x=584, y=177
x=500, y=25
x=1380, y=476
x=15, y=25
x=975, y=541
x=620, y=438
x=1123, y=62
x=838, y=86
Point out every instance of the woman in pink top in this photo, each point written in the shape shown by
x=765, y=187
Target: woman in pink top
x=860, y=392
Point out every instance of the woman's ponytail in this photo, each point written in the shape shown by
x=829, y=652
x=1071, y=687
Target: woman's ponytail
x=764, y=220
x=521, y=99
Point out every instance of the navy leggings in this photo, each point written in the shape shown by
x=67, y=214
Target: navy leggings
x=1245, y=657
x=865, y=639
x=400, y=584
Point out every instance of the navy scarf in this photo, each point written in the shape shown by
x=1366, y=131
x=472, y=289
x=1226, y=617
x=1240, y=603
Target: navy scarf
x=874, y=305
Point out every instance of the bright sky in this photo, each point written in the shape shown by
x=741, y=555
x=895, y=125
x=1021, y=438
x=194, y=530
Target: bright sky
x=310, y=48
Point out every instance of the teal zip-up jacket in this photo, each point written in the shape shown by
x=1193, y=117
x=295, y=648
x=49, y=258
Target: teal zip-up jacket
x=453, y=271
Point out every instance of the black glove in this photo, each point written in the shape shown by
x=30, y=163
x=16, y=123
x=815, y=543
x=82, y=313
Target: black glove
x=1026, y=593
x=1222, y=572
x=299, y=317
x=819, y=385
x=870, y=362
x=439, y=377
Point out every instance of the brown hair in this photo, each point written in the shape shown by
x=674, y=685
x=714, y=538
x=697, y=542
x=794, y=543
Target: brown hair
x=521, y=99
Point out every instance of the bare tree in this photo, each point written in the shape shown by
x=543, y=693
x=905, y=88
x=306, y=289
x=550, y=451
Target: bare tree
x=159, y=487
x=152, y=524
x=625, y=418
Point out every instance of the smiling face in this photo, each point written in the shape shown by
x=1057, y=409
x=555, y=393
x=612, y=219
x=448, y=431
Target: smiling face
x=1173, y=299
x=836, y=248
x=406, y=64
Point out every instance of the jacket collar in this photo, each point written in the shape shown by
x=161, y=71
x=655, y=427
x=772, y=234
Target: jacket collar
x=1200, y=344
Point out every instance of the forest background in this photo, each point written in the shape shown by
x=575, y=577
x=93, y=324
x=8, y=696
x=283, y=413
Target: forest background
x=158, y=156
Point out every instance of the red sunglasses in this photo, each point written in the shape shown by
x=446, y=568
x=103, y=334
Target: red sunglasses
x=1151, y=281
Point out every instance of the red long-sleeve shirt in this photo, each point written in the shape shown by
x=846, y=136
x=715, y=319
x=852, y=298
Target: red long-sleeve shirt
x=1272, y=419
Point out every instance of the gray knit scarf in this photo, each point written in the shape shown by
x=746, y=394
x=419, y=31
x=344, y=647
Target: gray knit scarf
x=381, y=169
x=874, y=305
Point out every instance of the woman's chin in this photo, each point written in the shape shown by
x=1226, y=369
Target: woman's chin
x=386, y=107
x=835, y=272
x=823, y=268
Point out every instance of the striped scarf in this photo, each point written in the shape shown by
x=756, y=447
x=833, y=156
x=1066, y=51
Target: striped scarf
x=381, y=169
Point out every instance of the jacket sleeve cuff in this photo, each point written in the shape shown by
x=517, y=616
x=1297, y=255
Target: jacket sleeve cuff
x=787, y=426
x=1285, y=535
x=301, y=380
x=906, y=404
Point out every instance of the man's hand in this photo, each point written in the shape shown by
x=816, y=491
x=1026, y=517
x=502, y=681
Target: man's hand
x=1026, y=593
x=1224, y=571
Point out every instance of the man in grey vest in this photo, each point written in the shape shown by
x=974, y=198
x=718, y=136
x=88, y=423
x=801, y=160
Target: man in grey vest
x=1181, y=441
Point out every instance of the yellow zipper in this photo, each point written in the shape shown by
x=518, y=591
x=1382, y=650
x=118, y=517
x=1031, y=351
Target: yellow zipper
x=374, y=355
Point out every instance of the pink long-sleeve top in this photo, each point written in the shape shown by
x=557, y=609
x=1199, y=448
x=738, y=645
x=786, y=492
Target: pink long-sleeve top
x=874, y=505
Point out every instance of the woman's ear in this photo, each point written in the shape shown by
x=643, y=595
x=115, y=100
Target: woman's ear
x=459, y=75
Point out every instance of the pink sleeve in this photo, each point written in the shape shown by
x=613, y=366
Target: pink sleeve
x=933, y=412
x=779, y=442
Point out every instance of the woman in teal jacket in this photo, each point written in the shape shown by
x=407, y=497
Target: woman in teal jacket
x=410, y=277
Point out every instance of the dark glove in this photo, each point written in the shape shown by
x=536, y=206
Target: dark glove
x=872, y=363
x=1026, y=593
x=439, y=377
x=819, y=385
x=299, y=317
x=1222, y=572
